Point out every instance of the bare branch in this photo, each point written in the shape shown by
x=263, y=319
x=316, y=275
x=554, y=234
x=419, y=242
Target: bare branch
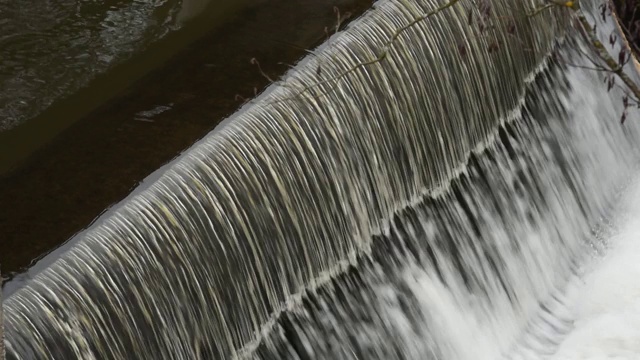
x=614, y=66
x=603, y=61
x=381, y=56
x=255, y=61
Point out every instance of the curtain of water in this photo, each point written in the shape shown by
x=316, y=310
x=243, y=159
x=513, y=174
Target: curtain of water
x=435, y=206
x=479, y=271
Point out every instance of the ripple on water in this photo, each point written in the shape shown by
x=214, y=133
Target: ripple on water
x=50, y=49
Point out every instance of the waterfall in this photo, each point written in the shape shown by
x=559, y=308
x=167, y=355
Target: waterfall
x=434, y=204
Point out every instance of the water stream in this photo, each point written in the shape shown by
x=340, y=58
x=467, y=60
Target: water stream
x=438, y=204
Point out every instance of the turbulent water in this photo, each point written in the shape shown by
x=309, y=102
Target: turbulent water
x=443, y=203
x=605, y=304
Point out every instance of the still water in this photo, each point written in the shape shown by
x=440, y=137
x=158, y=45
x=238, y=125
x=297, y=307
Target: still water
x=49, y=49
x=61, y=59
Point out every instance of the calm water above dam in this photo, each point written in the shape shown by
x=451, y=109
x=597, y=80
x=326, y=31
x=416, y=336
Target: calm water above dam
x=51, y=49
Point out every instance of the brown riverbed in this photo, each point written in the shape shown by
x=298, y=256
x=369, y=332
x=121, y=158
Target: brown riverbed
x=109, y=147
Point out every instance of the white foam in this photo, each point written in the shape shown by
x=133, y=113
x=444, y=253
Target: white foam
x=607, y=309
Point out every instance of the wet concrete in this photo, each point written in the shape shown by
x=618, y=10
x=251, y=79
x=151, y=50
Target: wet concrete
x=96, y=162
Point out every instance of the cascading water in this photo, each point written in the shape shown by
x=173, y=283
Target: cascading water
x=478, y=271
x=435, y=204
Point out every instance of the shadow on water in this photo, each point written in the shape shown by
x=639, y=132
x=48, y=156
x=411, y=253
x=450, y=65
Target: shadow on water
x=111, y=146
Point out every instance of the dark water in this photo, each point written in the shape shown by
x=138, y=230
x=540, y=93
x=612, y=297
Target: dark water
x=51, y=78
x=50, y=49
x=204, y=76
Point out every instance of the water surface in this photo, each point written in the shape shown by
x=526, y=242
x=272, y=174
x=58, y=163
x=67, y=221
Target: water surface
x=96, y=162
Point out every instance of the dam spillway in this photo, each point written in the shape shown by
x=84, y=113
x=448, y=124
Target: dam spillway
x=429, y=205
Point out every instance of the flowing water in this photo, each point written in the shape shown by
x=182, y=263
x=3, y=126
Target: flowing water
x=604, y=303
x=448, y=202
x=59, y=189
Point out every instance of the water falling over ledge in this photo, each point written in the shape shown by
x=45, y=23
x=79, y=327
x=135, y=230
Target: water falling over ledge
x=295, y=188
